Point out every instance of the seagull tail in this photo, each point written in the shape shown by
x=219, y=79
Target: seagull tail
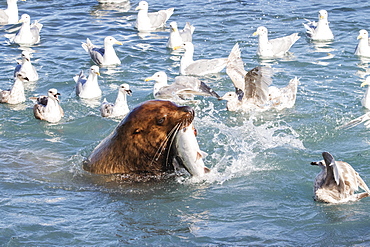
x=190, y=27
x=88, y=45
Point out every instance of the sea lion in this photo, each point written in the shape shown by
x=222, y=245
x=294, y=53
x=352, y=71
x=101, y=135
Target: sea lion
x=141, y=144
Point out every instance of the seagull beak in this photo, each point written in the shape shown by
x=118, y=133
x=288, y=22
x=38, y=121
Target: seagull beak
x=148, y=79
x=364, y=83
x=359, y=37
x=129, y=92
x=177, y=47
x=321, y=17
x=255, y=33
x=118, y=43
x=137, y=8
x=98, y=73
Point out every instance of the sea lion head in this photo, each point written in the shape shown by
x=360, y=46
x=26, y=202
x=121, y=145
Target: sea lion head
x=140, y=144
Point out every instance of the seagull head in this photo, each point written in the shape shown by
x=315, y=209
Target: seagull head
x=143, y=5
x=53, y=94
x=363, y=34
x=159, y=77
x=109, y=40
x=125, y=88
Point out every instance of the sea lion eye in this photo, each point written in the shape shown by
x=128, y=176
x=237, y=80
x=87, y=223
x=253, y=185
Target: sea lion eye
x=161, y=120
x=137, y=131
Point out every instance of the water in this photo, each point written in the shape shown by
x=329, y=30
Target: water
x=260, y=189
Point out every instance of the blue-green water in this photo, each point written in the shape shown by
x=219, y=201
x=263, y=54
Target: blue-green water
x=260, y=189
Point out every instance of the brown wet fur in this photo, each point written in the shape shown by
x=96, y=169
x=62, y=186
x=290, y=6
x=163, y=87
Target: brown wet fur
x=134, y=147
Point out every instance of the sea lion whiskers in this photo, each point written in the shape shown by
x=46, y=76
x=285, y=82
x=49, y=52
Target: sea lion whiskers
x=164, y=142
x=173, y=136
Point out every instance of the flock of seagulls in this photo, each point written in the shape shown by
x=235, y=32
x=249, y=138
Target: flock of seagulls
x=337, y=181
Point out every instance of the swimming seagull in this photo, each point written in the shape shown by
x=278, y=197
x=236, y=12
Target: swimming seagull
x=366, y=99
x=363, y=47
x=10, y=14
x=48, y=108
x=26, y=68
x=150, y=21
x=319, y=31
x=15, y=95
x=252, y=91
x=337, y=181
x=88, y=88
x=177, y=38
x=198, y=67
x=184, y=87
x=274, y=47
x=28, y=34
x=365, y=103
x=103, y=56
x=120, y=107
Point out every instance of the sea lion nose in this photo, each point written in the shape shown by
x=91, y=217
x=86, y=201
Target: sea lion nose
x=188, y=109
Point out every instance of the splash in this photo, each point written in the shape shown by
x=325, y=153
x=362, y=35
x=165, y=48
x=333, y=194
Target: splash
x=237, y=151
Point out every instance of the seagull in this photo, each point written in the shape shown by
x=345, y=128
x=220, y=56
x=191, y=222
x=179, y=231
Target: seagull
x=177, y=38
x=366, y=99
x=120, y=107
x=319, y=31
x=365, y=103
x=48, y=108
x=363, y=47
x=184, y=87
x=337, y=181
x=16, y=94
x=274, y=47
x=28, y=34
x=199, y=67
x=150, y=21
x=88, y=88
x=111, y=1
x=252, y=91
x=26, y=68
x=103, y=56
x=10, y=14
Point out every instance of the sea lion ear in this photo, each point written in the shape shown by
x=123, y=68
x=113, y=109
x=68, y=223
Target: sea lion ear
x=137, y=131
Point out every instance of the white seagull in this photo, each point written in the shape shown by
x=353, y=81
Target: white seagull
x=274, y=47
x=150, y=21
x=184, y=87
x=198, y=67
x=26, y=68
x=363, y=46
x=252, y=91
x=120, y=107
x=177, y=38
x=88, y=88
x=28, y=34
x=103, y=56
x=15, y=95
x=10, y=14
x=319, y=31
x=48, y=108
x=366, y=99
x=337, y=181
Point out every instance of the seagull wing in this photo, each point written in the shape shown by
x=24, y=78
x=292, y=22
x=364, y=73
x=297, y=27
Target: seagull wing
x=257, y=82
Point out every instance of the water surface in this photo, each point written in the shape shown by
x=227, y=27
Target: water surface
x=260, y=189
